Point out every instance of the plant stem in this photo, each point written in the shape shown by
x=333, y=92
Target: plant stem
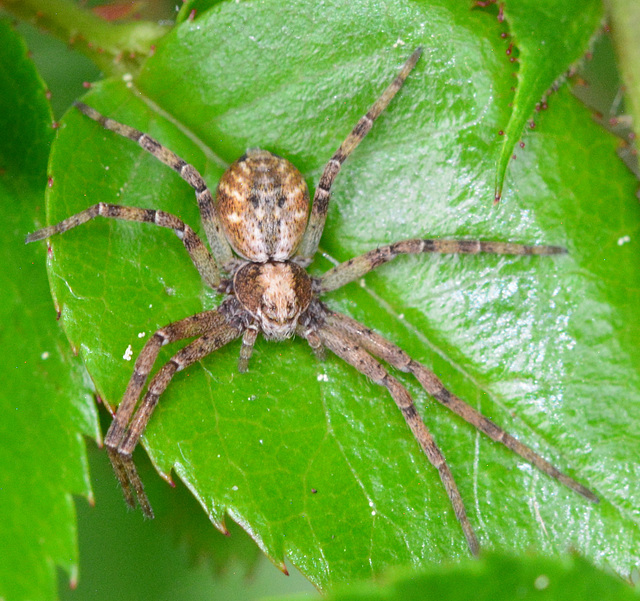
x=625, y=28
x=114, y=47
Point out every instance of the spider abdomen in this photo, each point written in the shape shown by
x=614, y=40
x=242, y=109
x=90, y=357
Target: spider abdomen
x=263, y=202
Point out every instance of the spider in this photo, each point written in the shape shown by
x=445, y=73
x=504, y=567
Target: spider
x=262, y=237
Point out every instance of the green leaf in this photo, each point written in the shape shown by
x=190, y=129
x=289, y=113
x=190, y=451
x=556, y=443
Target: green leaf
x=176, y=557
x=494, y=578
x=46, y=403
x=312, y=459
x=64, y=72
x=548, y=38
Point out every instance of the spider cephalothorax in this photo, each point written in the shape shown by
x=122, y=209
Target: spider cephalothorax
x=261, y=212
x=275, y=293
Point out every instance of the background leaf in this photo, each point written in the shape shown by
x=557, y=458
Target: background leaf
x=545, y=40
x=178, y=556
x=46, y=402
x=493, y=578
x=543, y=346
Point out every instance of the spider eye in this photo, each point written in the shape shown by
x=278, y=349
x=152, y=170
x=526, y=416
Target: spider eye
x=270, y=310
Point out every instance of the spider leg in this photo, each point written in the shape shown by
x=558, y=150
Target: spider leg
x=357, y=267
x=212, y=227
x=198, y=252
x=395, y=356
x=341, y=344
x=320, y=206
x=210, y=325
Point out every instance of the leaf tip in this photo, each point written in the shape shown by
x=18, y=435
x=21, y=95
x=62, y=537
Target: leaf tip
x=283, y=568
x=166, y=476
x=221, y=526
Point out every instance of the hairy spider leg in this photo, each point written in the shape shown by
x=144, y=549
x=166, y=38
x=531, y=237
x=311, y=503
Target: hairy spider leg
x=194, y=325
x=359, y=266
x=344, y=347
x=320, y=206
x=198, y=252
x=210, y=221
x=382, y=348
x=215, y=332
x=189, y=327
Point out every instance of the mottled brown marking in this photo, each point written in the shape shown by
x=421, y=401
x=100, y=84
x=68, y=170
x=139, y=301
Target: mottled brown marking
x=262, y=202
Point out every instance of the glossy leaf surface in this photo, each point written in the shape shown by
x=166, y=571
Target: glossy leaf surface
x=314, y=461
x=544, y=41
